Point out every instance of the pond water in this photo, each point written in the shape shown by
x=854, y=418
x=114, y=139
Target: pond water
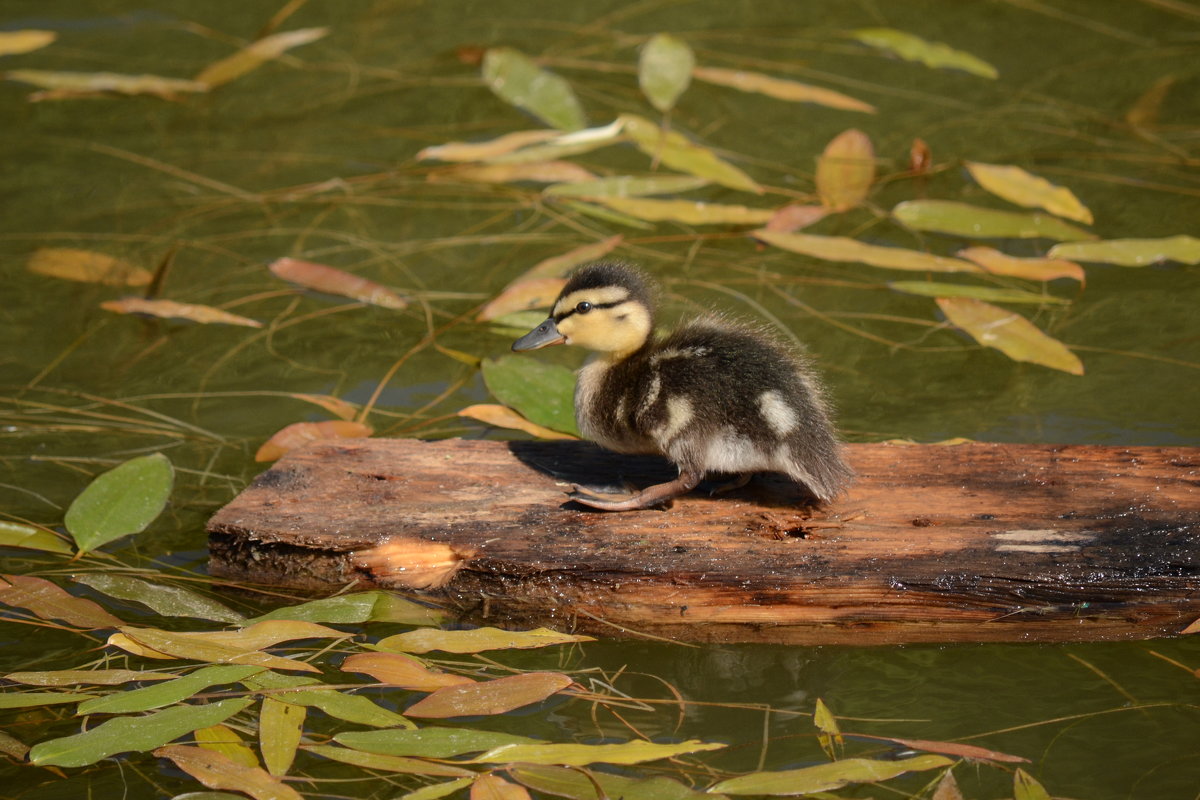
x=314, y=156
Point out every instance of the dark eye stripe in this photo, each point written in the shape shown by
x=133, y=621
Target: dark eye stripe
x=595, y=306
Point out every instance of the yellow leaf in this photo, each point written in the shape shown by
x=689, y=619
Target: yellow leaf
x=674, y=150
x=1133, y=252
x=280, y=725
x=216, y=771
x=634, y=752
x=1025, y=189
x=1009, y=333
x=522, y=296
x=535, y=171
x=780, y=88
x=481, y=151
x=15, y=42
x=845, y=170
x=841, y=248
x=931, y=54
x=255, y=54
x=504, y=417
x=225, y=740
x=82, y=84
x=331, y=280
x=406, y=672
x=170, y=309
x=485, y=698
x=299, y=434
x=475, y=641
x=87, y=266
x=1036, y=269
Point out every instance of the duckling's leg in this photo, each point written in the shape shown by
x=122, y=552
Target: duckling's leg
x=647, y=498
x=732, y=485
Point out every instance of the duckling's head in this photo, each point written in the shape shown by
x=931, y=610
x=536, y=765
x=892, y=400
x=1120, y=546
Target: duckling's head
x=605, y=306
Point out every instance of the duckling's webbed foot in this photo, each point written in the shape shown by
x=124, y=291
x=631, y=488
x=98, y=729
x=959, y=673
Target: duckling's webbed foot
x=649, y=497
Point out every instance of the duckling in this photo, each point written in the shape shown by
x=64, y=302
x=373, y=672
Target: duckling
x=713, y=396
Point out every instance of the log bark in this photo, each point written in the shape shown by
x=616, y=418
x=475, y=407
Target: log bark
x=971, y=542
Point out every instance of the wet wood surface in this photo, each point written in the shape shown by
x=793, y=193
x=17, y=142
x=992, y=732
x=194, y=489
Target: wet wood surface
x=970, y=542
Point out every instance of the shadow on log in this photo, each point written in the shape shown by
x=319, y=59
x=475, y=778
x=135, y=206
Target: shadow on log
x=972, y=542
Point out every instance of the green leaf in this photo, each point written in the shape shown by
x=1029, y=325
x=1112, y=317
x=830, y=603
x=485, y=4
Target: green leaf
x=634, y=752
x=1133, y=252
x=100, y=677
x=846, y=170
x=169, y=601
x=627, y=186
x=675, y=151
x=165, y=694
x=689, y=212
x=49, y=601
x=974, y=222
x=542, y=392
x=437, y=790
x=476, y=641
x=386, y=763
x=374, y=606
x=517, y=80
x=280, y=726
x=992, y=293
x=1025, y=787
x=38, y=699
x=606, y=214
x=830, y=736
x=137, y=734
x=429, y=742
x=13, y=747
x=575, y=784
x=497, y=696
x=841, y=248
x=122, y=501
x=1010, y=333
x=826, y=777
x=665, y=70
x=931, y=54
x=14, y=534
x=342, y=705
x=1032, y=191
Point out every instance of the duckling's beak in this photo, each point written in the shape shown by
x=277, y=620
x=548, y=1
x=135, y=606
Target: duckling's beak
x=543, y=335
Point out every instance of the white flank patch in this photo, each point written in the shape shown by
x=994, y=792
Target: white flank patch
x=729, y=452
x=779, y=415
x=679, y=414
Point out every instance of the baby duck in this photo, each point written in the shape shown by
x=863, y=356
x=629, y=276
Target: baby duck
x=713, y=396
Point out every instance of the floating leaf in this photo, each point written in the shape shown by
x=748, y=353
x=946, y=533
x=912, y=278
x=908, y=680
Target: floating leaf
x=504, y=417
x=429, y=742
x=331, y=280
x=580, y=784
x=14, y=534
x=950, y=749
x=606, y=214
x=932, y=54
x=540, y=391
x=299, y=434
x=558, y=266
x=992, y=293
x=375, y=606
x=498, y=696
x=535, y=171
x=165, y=694
x=81, y=84
x=225, y=740
x=686, y=211
x=826, y=777
x=1009, y=333
x=1145, y=110
x=122, y=501
x=72, y=677
x=1036, y=269
x=438, y=790
x=665, y=70
x=256, y=54
x=170, y=309
x=841, y=248
x=1025, y=787
x=493, y=787
x=780, y=88
x=16, y=42
x=229, y=647
x=674, y=150
x=49, y=601
x=627, y=186
x=217, y=771
x=137, y=734
x=411, y=766
x=830, y=737
x=522, y=296
x=974, y=222
x=635, y=752
x=845, y=170
x=565, y=144
x=481, y=151
x=39, y=699
x=306, y=692
x=1024, y=189
x=87, y=266
x=280, y=726
x=517, y=80
x=169, y=601
x=400, y=670
x=947, y=788
x=794, y=216
x=13, y=747
x=1133, y=252
x=476, y=641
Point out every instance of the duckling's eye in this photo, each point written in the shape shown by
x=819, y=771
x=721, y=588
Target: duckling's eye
x=583, y=307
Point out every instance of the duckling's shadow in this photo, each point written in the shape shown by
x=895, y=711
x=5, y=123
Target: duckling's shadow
x=605, y=472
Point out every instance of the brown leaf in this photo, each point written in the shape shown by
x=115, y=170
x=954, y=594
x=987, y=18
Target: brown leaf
x=255, y=54
x=1193, y=628
x=49, y=601
x=217, y=771
x=522, y=296
x=947, y=788
x=400, y=670
x=920, y=158
x=87, y=266
x=559, y=266
x=493, y=787
x=845, y=170
x=1037, y=269
x=505, y=417
x=413, y=563
x=299, y=434
x=331, y=280
x=490, y=697
x=780, y=88
x=1145, y=110
x=334, y=405
x=794, y=217
x=949, y=749
x=169, y=309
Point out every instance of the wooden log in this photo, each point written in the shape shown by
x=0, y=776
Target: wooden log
x=971, y=542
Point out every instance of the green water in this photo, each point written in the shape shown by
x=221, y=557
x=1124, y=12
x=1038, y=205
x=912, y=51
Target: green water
x=314, y=157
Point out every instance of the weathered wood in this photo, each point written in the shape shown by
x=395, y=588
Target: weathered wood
x=974, y=542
